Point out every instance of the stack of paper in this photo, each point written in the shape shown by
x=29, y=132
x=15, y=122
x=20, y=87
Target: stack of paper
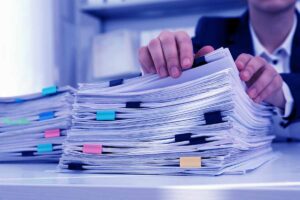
x=200, y=123
x=33, y=127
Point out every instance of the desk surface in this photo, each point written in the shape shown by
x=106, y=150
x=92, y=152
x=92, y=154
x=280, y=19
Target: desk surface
x=277, y=179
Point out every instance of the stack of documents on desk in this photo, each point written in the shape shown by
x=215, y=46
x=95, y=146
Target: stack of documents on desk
x=33, y=127
x=201, y=123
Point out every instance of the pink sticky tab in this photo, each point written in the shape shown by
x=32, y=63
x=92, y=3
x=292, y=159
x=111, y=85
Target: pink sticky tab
x=52, y=133
x=92, y=148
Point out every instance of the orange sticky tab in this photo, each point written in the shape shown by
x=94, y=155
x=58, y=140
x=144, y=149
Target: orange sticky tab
x=52, y=133
x=92, y=148
x=190, y=162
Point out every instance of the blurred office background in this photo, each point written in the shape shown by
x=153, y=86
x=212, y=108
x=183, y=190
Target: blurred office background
x=65, y=42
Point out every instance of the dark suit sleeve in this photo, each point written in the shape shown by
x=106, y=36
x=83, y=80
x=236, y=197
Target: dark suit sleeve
x=293, y=81
x=205, y=33
x=197, y=43
x=213, y=31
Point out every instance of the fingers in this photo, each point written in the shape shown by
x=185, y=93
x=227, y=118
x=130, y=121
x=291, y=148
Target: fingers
x=169, y=48
x=252, y=67
x=242, y=60
x=146, y=60
x=204, y=50
x=157, y=56
x=167, y=54
x=262, y=83
x=263, y=79
x=249, y=66
x=185, y=47
x=267, y=94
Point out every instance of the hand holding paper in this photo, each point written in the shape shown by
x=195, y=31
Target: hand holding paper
x=169, y=54
x=265, y=84
x=200, y=123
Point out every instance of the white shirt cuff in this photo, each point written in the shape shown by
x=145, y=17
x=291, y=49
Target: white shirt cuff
x=289, y=101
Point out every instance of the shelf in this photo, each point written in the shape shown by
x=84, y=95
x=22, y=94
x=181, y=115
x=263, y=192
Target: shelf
x=158, y=8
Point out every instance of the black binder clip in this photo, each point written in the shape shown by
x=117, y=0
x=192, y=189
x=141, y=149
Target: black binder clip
x=214, y=117
x=198, y=140
x=75, y=166
x=199, y=61
x=182, y=137
x=133, y=104
x=27, y=153
x=115, y=82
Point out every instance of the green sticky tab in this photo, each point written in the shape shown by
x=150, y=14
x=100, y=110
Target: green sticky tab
x=49, y=90
x=44, y=148
x=15, y=122
x=106, y=115
x=6, y=121
x=22, y=121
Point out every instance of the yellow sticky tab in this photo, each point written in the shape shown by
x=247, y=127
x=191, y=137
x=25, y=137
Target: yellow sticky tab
x=190, y=162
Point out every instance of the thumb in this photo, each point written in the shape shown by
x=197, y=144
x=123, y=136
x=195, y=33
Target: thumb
x=204, y=50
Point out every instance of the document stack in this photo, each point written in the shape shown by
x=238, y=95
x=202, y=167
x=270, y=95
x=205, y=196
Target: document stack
x=201, y=123
x=33, y=127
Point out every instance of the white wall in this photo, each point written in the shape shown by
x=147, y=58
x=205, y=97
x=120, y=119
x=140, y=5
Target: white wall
x=26, y=46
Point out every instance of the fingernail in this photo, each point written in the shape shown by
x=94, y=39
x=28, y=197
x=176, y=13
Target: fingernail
x=163, y=72
x=252, y=93
x=186, y=63
x=245, y=75
x=175, y=72
x=239, y=65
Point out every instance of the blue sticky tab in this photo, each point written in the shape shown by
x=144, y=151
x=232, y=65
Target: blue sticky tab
x=49, y=90
x=106, y=115
x=44, y=148
x=19, y=100
x=115, y=82
x=46, y=115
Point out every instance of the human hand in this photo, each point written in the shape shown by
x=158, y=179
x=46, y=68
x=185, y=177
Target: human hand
x=169, y=54
x=264, y=83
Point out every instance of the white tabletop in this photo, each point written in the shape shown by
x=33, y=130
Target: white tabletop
x=279, y=179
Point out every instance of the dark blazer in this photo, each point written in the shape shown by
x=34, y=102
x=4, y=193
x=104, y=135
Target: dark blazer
x=234, y=33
